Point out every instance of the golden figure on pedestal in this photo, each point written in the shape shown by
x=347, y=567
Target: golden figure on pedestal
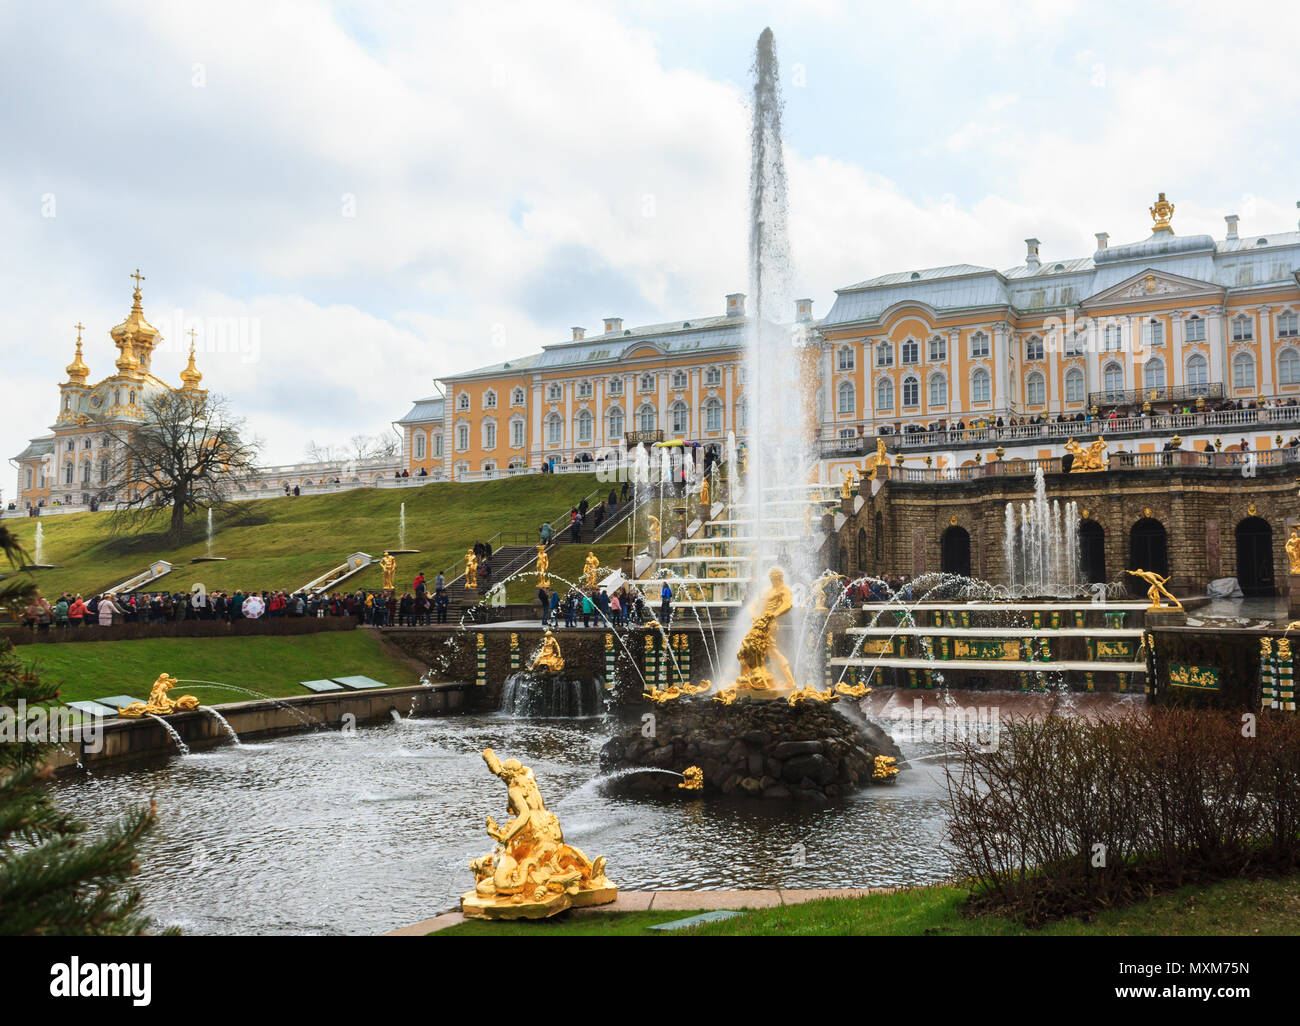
x=591, y=569
x=388, y=564
x=531, y=873
x=471, y=569
x=823, y=585
x=548, y=657
x=1156, y=590
x=704, y=493
x=1089, y=459
x=846, y=485
x=654, y=530
x=759, y=646
x=159, y=704
x=543, y=567
x=1293, y=551
x=692, y=779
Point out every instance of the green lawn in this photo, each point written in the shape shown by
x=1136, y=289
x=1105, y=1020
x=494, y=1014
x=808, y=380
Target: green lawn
x=1269, y=907
x=271, y=665
x=285, y=542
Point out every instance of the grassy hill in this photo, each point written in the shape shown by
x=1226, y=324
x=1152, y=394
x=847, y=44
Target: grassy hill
x=285, y=542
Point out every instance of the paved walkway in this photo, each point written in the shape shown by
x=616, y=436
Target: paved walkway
x=687, y=901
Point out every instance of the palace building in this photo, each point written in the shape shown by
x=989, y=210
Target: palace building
x=960, y=354
x=73, y=465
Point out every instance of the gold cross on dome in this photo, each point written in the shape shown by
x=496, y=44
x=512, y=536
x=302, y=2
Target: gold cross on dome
x=80, y=328
x=192, y=334
x=138, y=278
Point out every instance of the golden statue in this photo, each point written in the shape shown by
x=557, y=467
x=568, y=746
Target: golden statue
x=1156, y=590
x=883, y=768
x=880, y=459
x=692, y=779
x=471, y=569
x=543, y=567
x=654, y=530
x=852, y=690
x=704, y=493
x=812, y=695
x=159, y=704
x=759, y=645
x=531, y=873
x=821, y=587
x=388, y=564
x=674, y=691
x=547, y=658
x=1089, y=459
x=1293, y=551
x=1162, y=213
x=846, y=485
x=591, y=569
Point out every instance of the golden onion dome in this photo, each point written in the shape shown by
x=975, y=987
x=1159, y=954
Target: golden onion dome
x=190, y=376
x=77, y=369
x=135, y=327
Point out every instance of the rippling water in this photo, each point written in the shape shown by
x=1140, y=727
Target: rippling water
x=324, y=833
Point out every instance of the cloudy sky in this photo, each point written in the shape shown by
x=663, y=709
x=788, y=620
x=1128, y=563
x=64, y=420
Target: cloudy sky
x=353, y=199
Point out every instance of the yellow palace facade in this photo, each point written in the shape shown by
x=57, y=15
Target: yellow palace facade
x=1171, y=321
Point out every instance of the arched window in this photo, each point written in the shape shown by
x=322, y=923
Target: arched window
x=1243, y=371
x=67, y=473
x=490, y=399
x=1112, y=378
x=1074, y=386
x=911, y=392
x=848, y=397
x=712, y=416
x=1198, y=370
x=679, y=417
x=1153, y=374
x=938, y=390
x=884, y=394
x=554, y=429
x=615, y=429
x=67, y=402
x=585, y=422
x=418, y=440
x=517, y=397
x=1034, y=348
x=1288, y=367
x=489, y=468
x=981, y=387
x=462, y=401
x=131, y=398
x=646, y=418
x=1036, y=390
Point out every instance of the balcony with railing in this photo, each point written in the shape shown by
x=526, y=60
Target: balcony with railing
x=1048, y=431
x=1159, y=394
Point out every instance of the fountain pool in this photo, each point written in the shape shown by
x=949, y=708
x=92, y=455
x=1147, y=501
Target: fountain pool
x=327, y=833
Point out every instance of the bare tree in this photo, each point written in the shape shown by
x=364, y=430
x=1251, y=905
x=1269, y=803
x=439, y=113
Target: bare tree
x=184, y=456
x=357, y=448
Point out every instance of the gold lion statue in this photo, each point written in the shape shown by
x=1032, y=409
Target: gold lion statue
x=159, y=703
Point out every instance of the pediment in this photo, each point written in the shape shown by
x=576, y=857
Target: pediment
x=1153, y=285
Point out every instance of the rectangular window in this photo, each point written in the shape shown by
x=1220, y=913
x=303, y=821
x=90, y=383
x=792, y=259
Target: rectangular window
x=979, y=346
x=938, y=350
x=1194, y=329
x=517, y=435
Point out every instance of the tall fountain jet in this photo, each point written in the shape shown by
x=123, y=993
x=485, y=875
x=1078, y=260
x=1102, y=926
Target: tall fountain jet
x=778, y=446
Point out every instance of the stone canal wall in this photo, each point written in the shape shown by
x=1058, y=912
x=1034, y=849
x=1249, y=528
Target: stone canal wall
x=128, y=742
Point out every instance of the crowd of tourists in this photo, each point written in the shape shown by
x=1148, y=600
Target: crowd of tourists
x=623, y=607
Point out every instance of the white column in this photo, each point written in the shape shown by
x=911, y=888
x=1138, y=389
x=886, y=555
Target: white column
x=1001, y=370
x=869, y=383
x=1266, y=351
x=598, y=397
x=1215, y=334
x=1175, y=373
x=566, y=429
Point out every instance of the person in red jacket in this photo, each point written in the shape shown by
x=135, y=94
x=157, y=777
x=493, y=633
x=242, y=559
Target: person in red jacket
x=77, y=612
